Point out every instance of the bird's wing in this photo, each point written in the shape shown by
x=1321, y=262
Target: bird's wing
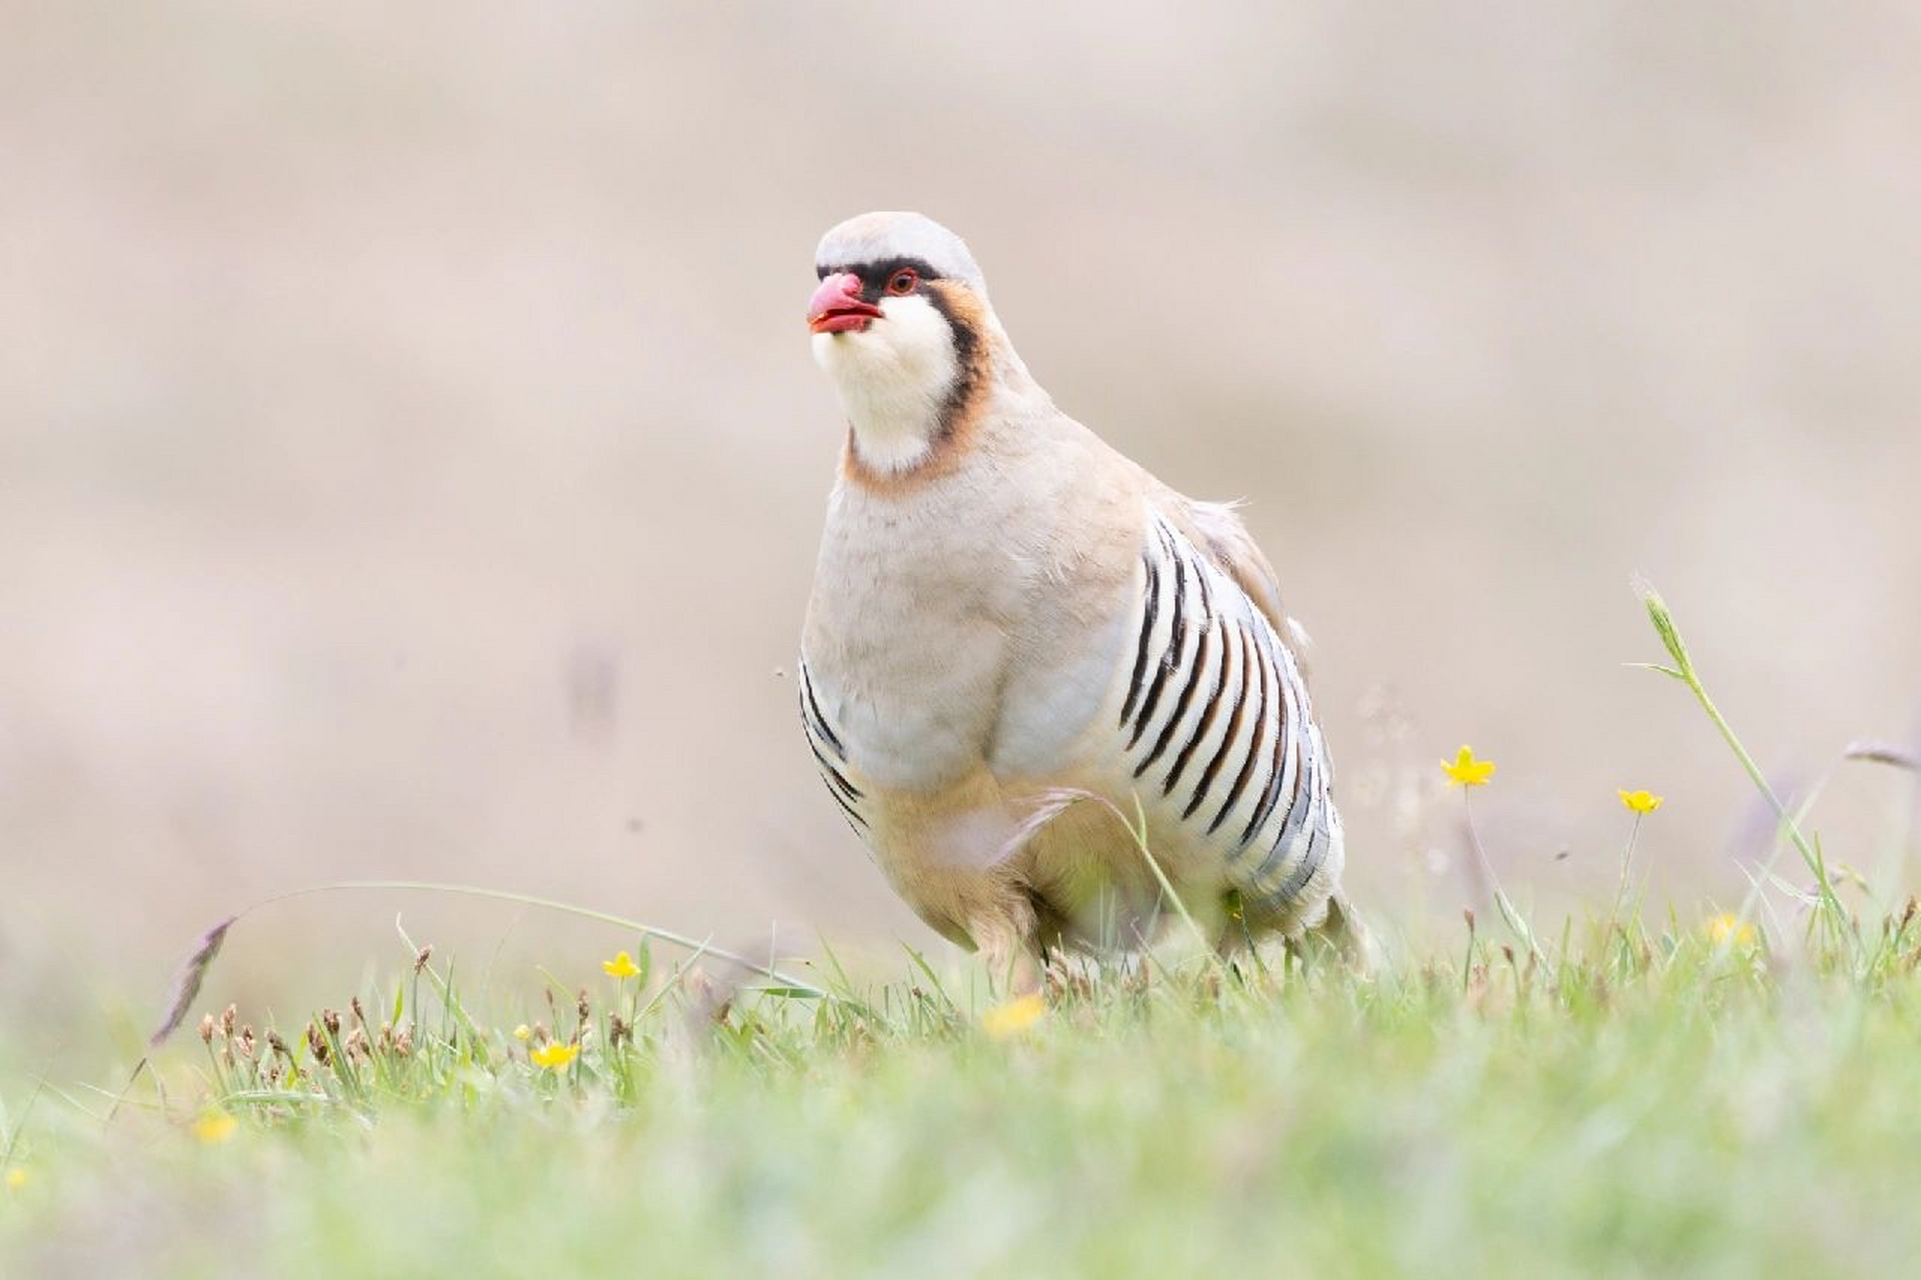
x=1216, y=728
x=1216, y=528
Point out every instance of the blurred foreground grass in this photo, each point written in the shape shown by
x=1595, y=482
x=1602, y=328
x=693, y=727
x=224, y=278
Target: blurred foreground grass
x=1695, y=1100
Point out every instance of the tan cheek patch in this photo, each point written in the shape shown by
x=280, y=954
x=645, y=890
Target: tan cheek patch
x=966, y=308
x=964, y=305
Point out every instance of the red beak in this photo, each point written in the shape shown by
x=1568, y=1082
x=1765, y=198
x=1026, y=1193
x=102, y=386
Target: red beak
x=837, y=306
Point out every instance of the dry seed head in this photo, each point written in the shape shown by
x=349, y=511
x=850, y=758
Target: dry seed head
x=360, y=1015
x=618, y=1031
x=206, y=1028
x=246, y=1042
x=357, y=1043
x=1508, y=952
x=420, y=961
x=278, y=1045
x=186, y=984
x=404, y=1042
x=1467, y=914
x=317, y=1044
x=582, y=1007
x=1908, y=912
x=227, y=1019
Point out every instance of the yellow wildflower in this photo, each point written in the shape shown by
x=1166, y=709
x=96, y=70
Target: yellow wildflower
x=621, y=966
x=1730, y=929
x=16, y=1178
x=214, y=1127
x=554, y=1055
x=1013, y=1017
x=1466, y=771
x=521, y=1032
x=1641, y=801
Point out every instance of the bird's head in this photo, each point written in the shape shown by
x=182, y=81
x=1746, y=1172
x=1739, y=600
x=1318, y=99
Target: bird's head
x=901, y=323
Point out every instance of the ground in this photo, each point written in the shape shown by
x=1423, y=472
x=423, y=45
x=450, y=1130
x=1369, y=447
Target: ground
x=1698, y=1100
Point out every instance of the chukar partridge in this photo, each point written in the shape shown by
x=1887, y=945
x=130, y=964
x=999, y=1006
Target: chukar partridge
x=1006, y=611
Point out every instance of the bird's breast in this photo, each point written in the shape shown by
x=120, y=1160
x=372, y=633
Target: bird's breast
x=907, y=636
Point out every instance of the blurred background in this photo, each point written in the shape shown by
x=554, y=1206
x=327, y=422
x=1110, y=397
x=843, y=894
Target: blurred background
x=411, y=459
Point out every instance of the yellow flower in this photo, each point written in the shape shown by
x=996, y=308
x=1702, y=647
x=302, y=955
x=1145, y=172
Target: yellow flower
x=521, y=1032
x=1466, y=771
x=554, y=1055
x=1730, y=929
x=1641, y=801
x=621, y=966
x=16, y=1179
x=214, y=1127
x=1014, y=1017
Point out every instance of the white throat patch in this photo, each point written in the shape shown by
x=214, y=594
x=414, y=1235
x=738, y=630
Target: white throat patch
x=894, y=379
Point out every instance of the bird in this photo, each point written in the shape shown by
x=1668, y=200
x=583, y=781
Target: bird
x=1046, y=690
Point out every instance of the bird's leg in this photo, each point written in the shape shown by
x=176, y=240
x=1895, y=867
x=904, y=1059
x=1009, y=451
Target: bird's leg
x=1342, y=929
x=1007, y=945
x=1235, y=939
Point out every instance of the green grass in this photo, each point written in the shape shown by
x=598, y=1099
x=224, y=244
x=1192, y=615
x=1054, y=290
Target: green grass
x=1643, y=1104
x=1610, y=1099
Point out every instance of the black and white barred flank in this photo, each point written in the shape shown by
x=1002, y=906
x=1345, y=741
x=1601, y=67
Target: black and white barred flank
x=829, y=754
x=1217, y=726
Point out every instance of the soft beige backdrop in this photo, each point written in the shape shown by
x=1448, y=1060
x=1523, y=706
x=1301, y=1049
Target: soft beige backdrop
x=411, y=460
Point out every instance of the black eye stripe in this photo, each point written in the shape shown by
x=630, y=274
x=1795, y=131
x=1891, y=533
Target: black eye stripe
x=876, y=274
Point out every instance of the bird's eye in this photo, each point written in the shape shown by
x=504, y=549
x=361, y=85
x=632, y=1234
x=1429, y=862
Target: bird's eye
x=903, y=281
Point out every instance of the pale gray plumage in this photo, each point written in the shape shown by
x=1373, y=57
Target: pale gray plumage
x=875, y=237
x=1007, y=611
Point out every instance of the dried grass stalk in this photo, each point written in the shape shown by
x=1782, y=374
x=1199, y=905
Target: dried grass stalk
x=187, y=984
x=1885, y=753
